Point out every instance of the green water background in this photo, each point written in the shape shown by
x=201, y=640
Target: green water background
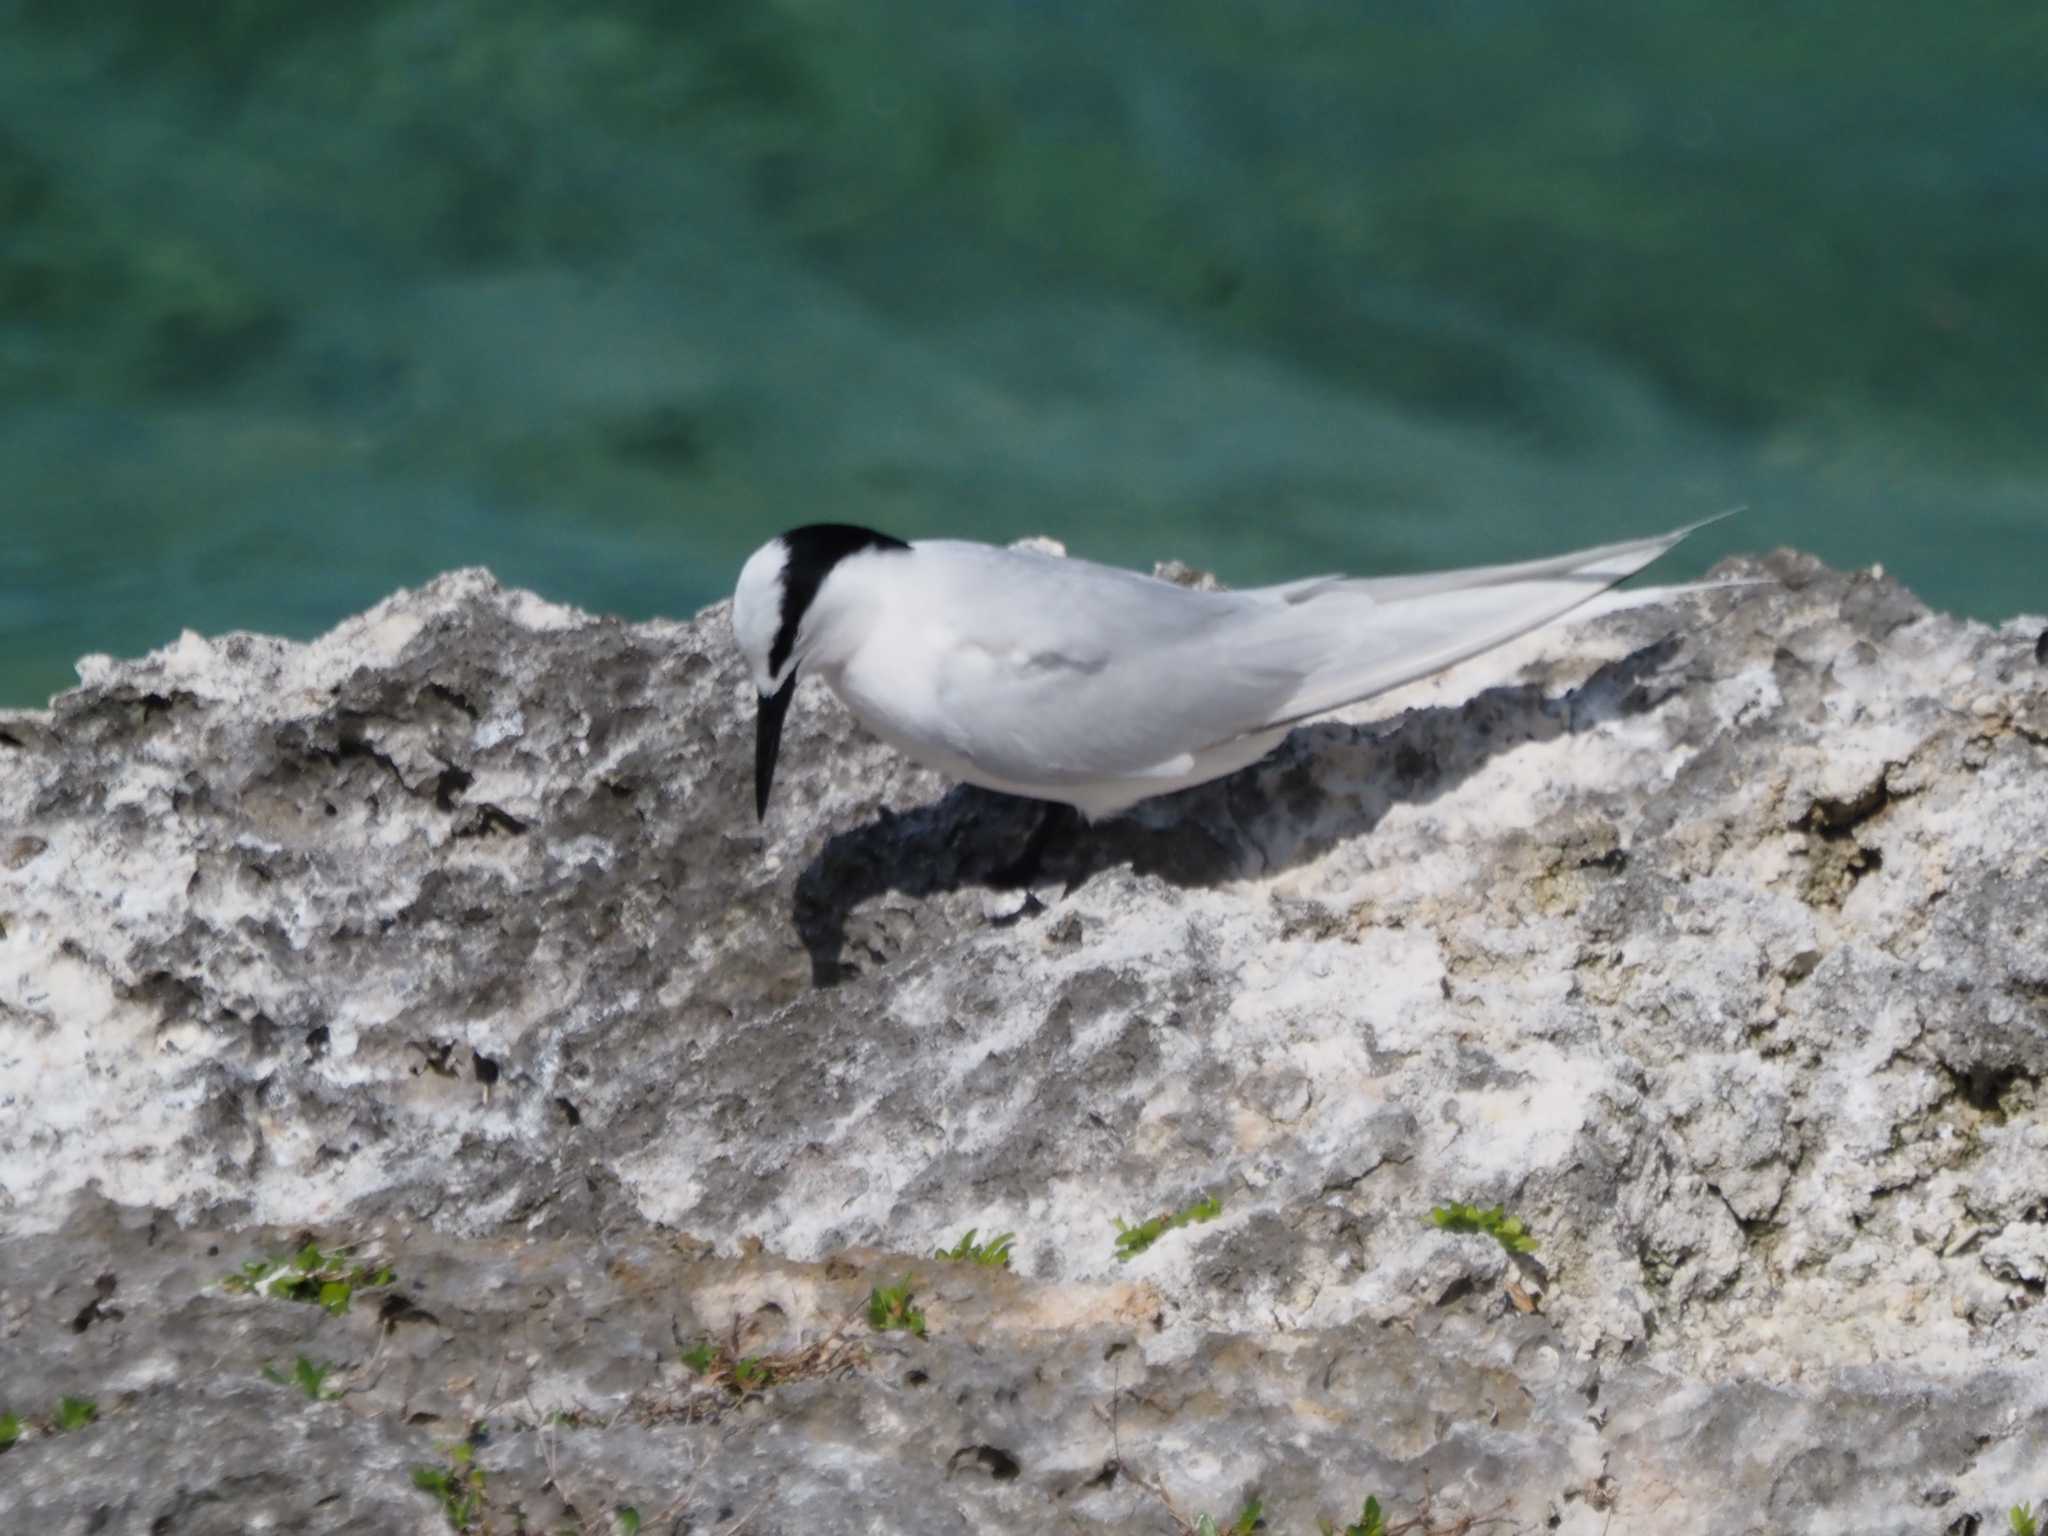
x=301, y=303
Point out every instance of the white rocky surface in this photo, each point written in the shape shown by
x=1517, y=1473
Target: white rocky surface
x=1710, y=939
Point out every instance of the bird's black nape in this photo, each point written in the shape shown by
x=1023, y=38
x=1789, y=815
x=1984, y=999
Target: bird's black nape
x=812, y=552
x=768, y=741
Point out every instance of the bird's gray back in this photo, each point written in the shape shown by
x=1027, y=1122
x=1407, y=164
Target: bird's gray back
x=1024, y=599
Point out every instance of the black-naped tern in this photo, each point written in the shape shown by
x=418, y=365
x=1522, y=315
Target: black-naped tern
x=1084, y=685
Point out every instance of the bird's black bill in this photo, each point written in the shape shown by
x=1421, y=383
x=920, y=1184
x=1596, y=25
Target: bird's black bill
x=768, y=741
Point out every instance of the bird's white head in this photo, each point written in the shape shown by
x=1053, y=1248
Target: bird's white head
x=757, y=611
x=776, y=594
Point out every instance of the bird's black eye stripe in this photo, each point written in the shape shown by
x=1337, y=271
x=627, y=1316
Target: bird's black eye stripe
x=813, y=551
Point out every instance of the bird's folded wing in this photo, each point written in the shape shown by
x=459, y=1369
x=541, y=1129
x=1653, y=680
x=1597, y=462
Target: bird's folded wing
x=1062, y=717
x=1054, y=672
x=1353, y=639
x=1134, y=679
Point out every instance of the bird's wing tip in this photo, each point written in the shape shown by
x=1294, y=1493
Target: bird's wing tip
x=1707, y=522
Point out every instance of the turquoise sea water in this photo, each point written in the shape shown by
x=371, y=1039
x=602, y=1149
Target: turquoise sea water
x=300, y=304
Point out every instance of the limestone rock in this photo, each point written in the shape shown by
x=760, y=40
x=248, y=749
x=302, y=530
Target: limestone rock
x=1708, y=938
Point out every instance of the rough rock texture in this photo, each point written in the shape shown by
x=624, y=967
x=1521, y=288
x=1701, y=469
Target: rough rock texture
x=1710, y=939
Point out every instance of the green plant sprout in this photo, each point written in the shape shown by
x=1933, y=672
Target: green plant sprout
x=459, y=1485
x=2023, y=1522
x=1369, y=1523
x=1248, y=1520
x=718, y=1363
x=993, y=1254
x=1507, y=1230
x=708, y=1359
x=629, y=1520
x=323, y=1279
x=76, y=1413
x=889, y=1308
x=308, y=1375
x=10, y=1430
x=1132, y=1241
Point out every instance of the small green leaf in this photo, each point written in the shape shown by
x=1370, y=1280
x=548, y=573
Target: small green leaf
x=889, y=1308
x=10, y=1430
x=308, y=1259
x=430, y=1479
x=993, y=1254
x=1208, y=1208
x=882, y=1303
x=2023, y=1523
x=253, y=1273
x=629, y=1520
x=334, y=1296
x=76, y=1412
x=311, y=1375
x=1506, y=1230
x=1132, y=1241
x=701, y=1358
x=1206, y=1526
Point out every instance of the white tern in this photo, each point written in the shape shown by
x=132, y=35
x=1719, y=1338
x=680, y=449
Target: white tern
x=1089, y=686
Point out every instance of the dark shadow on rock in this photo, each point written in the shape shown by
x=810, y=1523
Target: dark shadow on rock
x=1326, y=783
